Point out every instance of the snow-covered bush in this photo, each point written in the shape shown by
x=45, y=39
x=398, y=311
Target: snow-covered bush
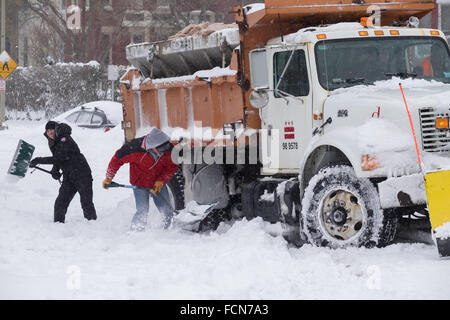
x=45, y=92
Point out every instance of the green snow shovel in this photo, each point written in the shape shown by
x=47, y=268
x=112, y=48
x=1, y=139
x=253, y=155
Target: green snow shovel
x=21, y=160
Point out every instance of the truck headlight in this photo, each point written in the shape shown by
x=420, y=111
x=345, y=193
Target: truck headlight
x=369, y=163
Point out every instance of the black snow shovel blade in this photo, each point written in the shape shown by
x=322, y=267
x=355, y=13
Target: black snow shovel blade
x=21, y=160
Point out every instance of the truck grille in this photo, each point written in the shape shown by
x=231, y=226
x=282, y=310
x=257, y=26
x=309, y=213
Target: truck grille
x=433, y=140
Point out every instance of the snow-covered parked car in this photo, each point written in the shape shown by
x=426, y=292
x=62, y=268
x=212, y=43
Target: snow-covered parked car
x=97, y=114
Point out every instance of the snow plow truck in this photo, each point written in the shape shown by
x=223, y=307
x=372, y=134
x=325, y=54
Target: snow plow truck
x=329, y=116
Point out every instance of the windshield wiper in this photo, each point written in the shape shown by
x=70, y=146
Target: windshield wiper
x=351, y=80
x=402, y=75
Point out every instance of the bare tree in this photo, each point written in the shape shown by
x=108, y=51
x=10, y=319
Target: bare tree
x=92, y=40
x=180, y=12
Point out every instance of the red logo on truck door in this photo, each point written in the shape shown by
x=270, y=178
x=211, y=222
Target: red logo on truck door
x=289, y=130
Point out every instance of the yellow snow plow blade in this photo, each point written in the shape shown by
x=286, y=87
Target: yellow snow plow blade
x=437, y=186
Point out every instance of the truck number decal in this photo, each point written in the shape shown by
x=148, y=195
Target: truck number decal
x=290, y=146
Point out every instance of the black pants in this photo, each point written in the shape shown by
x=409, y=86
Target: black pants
x=66, y=193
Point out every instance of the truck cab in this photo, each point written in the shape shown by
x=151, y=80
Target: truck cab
x=332, y=99
x=316, y=74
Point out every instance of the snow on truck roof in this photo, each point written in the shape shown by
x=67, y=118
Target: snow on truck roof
x=346, y=30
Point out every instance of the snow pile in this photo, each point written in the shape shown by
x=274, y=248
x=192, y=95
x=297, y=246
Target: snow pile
x=393, y=84
x=215, y=72
x=254, y=7
x=103, y=260
x=391, y=137
x=443, y=232
x=204, y=29
x=4, y=57
x=267, y=196
x=54, y=89
x=203, y=74
x=113, y=111
x=392, y=148
x=413, y=185
x=300, y=35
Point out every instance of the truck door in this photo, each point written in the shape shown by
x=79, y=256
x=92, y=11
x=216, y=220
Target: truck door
x=287, y=117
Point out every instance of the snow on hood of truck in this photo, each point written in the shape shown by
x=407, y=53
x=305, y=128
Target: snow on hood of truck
x=390, y=137
x=421, y=85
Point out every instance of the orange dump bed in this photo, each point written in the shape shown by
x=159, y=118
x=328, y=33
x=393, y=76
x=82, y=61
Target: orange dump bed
x=185, y=103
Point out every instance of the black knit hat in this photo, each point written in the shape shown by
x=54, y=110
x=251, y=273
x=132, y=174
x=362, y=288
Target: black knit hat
x=51, y=125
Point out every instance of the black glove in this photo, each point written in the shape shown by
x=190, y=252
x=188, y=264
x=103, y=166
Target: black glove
x=35, y=162
x=56, y=174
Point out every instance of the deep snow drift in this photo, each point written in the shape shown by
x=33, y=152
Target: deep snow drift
x=102, y=259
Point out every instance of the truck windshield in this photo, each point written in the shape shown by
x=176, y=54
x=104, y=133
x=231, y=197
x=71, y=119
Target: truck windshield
x=351, y=62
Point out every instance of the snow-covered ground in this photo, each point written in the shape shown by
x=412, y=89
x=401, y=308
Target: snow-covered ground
x=103, y=260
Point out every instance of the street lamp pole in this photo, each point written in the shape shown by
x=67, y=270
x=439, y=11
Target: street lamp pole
x=3, y=47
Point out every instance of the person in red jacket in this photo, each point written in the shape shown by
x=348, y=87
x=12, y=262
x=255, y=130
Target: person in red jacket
x=151, y=168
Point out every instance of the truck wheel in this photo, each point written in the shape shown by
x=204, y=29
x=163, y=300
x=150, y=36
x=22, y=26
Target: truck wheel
x=340, y=210
x=176, y=190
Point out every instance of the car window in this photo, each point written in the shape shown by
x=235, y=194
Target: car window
x=84, y=118
x=96, y=119
x=73, y=117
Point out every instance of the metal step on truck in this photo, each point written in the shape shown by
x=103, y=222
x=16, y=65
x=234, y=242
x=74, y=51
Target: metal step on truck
x=295, y=115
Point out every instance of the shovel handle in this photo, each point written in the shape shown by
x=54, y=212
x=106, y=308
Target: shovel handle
x=118, y=185
x=46, y=171
x=43, y=170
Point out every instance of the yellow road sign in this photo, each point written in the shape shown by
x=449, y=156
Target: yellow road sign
x=7, y=65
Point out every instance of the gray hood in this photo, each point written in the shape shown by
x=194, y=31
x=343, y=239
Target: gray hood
x=155, y=138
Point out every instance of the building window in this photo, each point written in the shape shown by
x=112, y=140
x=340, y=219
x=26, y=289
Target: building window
x=135, y=17
x=107, y=4
x=137, y=38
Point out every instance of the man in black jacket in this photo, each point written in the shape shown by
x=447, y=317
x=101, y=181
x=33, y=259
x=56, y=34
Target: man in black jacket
x=77, y=176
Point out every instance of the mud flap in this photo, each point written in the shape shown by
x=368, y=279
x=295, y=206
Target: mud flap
x=21, y=160
x=437, y=186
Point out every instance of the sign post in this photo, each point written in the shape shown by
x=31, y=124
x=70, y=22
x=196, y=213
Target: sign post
x=2, y=43
x=113, y=75
x=7, y=66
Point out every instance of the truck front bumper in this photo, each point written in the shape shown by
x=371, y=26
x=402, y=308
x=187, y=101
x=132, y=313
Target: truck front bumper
x=405, y=191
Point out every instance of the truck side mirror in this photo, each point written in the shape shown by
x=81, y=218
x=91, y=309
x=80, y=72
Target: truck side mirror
x=258, y=69
x=259, y=99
